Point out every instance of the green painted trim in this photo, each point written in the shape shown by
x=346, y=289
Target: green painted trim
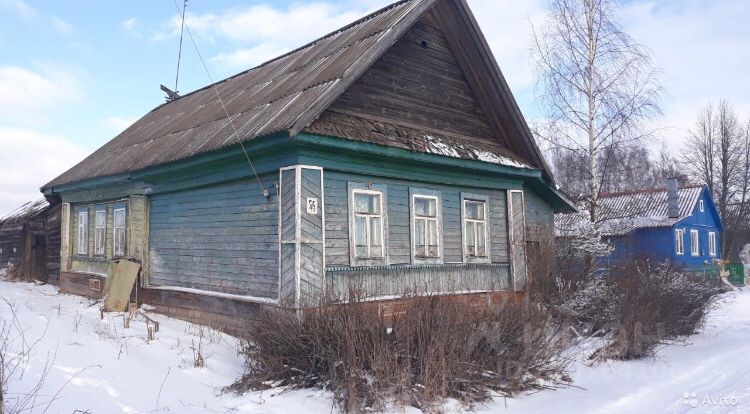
x=256, y=148
x=275, y=151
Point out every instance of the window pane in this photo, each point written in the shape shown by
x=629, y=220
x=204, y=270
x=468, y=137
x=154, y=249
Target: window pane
x=481, y=240
x=360, y=238
x=470, y=238
x=120, y=241
x=419, y=236
x=367, y=203
x=474, y=210
x=432, y=238
x=119, y=218
x=425, y=207
x=376, y=237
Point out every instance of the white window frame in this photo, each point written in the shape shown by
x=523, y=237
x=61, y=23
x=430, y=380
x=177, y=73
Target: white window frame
x=369, y=260
x=701, y=206
x=438, y=219
x=100, y=232
x=83, y=232
x=679, y=236
x=712, y=243
x=473, y=258
x=695, y=248
x=117, y=249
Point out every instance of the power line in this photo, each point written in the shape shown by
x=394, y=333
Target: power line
x=223, y=106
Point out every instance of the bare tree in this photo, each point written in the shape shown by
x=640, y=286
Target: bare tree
x=599, y=86
x=718, y=153
x=628, y=168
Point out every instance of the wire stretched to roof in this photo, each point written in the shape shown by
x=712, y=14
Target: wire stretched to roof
x=216, y=91
x=179, y=51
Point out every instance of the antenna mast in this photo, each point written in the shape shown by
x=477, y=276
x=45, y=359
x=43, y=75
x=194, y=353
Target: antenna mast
x=173, y=95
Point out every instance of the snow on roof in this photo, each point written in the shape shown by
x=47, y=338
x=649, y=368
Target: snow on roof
x=455, y=149
x=623, y=212
x=27, y=210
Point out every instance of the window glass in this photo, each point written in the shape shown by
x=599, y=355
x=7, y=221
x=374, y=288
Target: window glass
x=119, y=232
x=83, y=232
x=368, y=225
x=475, y=228
x=474, y=210
x=100, y=232
x=425, y=207
x=426, y=228
x=694, y=247
x=367, y=203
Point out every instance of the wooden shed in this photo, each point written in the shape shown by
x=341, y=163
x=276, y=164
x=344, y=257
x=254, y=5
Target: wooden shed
x=387, y=155
x=30, y=242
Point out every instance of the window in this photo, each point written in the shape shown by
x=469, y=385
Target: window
x=83, y=231
x=679, y=236
x=712, y=243
x=100, y=232
x=700, y=205
x=368, y=224
x=426, y=227
x=694, y=247
x=475, y=228
x=119, y=232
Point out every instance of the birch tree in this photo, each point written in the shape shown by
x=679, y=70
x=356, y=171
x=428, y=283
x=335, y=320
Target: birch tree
x=598, y=86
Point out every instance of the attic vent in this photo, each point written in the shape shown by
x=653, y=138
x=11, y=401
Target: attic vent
x=423, y=44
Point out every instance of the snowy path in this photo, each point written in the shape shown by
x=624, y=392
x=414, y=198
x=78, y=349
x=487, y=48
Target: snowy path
x=109, y=369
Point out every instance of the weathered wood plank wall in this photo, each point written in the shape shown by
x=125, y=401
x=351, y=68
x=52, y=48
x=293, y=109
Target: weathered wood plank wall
x=312, y=268
x=11, y=245
x=222, y=238
x=418, y=83
x=52, y=229
x=302, y=269
x=288, y=215
x=337, y=219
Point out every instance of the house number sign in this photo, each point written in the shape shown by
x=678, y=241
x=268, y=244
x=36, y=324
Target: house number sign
x=312, y=206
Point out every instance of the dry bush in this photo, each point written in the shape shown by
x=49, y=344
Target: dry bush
x=653, y=304
x=431, y=349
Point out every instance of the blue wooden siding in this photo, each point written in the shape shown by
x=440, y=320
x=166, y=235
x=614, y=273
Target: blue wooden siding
x=288, y=240
x=222, y=238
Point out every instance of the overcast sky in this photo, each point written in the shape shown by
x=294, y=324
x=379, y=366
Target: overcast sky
x=75, y=73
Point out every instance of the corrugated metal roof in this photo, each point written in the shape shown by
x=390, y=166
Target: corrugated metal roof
x=24, y=212
x=270, y=98
x=621, y=213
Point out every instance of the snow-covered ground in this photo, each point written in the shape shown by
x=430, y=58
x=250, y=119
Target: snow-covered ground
x=97, y=366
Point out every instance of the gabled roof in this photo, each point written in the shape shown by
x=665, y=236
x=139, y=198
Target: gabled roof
x=623, y=212
x=290, y=92
x=26, y=211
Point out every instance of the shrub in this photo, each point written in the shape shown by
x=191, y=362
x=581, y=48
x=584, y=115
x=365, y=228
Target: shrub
x=432, y=348
x=653, y=304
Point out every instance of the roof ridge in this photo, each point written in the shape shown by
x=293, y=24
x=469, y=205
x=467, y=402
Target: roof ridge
x=647, y=190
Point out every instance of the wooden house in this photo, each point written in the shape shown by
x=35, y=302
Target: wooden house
x=680, y=224
x=30, y=242
x=387, y=155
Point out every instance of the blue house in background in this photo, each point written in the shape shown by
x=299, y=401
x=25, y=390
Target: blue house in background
x=679, y=224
